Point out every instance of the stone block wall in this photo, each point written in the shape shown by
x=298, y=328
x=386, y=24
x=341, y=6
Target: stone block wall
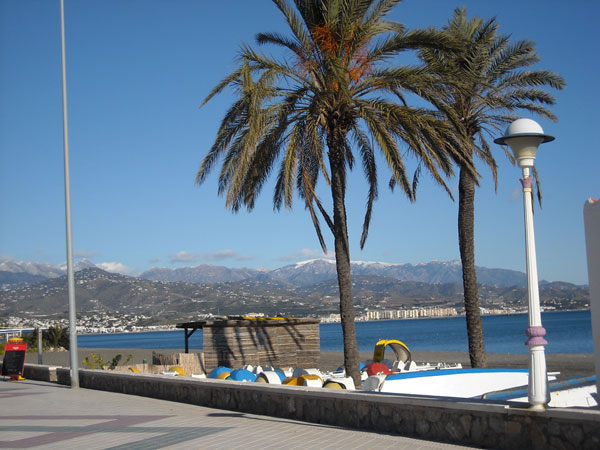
x=40, y=372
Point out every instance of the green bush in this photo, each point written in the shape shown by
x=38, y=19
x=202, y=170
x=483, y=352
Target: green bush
x=96, y=362
x=54, y=337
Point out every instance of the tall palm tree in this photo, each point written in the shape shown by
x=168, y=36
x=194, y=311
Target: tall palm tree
x=332, y=94
x=482, y=82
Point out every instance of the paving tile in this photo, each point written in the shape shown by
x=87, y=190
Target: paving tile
x=47, y=416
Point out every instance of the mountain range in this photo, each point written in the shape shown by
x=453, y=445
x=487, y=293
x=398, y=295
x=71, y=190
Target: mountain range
x=307, y=273
x=301, y=274
x=101, y=292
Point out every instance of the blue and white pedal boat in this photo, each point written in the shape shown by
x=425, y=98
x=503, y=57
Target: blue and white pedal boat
x=461, y=383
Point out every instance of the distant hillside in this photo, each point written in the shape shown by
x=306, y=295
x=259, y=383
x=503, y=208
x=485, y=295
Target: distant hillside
x=98, y=290
x=101, y=291
x=8, y=279
x=203, y=273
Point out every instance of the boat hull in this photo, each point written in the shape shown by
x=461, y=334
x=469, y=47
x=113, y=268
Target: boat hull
x=462, y=383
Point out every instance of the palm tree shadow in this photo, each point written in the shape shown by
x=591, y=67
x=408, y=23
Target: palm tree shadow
x=260, y=344
x=225, y=354
x=296, y=335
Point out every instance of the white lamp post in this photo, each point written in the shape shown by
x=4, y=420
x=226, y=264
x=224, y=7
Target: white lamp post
x=524, y=136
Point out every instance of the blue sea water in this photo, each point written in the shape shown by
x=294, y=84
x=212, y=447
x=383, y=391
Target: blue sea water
x=567, y=332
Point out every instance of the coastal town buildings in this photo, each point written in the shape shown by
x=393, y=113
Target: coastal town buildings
x=124, y=323
x=413, y=313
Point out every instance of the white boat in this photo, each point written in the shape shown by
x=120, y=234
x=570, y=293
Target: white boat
x=564, y=393
x=461, y=383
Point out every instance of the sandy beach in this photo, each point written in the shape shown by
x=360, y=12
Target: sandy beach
x=566, y=364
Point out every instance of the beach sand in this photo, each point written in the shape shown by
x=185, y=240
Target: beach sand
x=567, y=364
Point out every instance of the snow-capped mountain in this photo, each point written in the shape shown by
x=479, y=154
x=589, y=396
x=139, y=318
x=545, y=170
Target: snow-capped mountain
x=80, y=265
x=32, y=268
x=23, y=272
x=309, y=272
x=305, y=273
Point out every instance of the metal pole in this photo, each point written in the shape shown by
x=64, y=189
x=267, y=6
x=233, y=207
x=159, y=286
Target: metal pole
x=70, y=274
x=39, y=336
x=538, y=379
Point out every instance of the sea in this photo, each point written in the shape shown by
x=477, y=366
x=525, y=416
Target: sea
x=566, y=332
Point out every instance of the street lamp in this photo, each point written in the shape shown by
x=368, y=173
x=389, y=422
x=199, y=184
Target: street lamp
x=524, y=136
x=74, y=357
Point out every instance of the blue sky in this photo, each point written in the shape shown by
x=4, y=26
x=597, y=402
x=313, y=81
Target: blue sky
x=137, y=73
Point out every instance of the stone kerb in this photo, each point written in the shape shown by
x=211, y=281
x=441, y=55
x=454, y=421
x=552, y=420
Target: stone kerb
x=40, y=372
x=470, y=422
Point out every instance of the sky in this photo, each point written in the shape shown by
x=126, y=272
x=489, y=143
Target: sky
x=137, y=73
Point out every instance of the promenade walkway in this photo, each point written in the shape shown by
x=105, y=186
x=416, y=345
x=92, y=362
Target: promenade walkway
x=38, y=415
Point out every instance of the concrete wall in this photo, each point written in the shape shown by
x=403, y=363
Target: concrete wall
x=41, y=373
x=467, y=422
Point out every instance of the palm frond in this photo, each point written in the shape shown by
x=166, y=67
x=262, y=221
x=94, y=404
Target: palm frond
x=229, y=79
x=295, y=23
x=370, y=170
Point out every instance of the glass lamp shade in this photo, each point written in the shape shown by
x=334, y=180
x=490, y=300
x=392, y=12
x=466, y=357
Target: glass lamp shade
x=524, y=146
x=524, y=136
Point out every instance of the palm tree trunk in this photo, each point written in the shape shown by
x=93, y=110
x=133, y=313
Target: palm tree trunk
x=342, y=258
x=466, y=241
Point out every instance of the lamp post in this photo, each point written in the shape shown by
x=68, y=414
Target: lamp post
x=524, y=136
x=74, y=357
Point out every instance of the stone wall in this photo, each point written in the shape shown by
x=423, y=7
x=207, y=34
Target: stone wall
x=467, y=422
x=40, y=372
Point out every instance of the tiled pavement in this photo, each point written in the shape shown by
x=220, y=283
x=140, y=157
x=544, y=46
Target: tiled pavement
x=40, y=415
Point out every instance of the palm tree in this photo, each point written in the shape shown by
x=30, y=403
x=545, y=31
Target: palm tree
x=56, y=336
x=482, y=83
x=335, y=94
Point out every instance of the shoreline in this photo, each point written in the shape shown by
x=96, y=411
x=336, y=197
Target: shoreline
x=568, y=364
x=325, y=321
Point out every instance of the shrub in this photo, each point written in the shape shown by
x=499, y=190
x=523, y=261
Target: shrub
x=97, y=362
